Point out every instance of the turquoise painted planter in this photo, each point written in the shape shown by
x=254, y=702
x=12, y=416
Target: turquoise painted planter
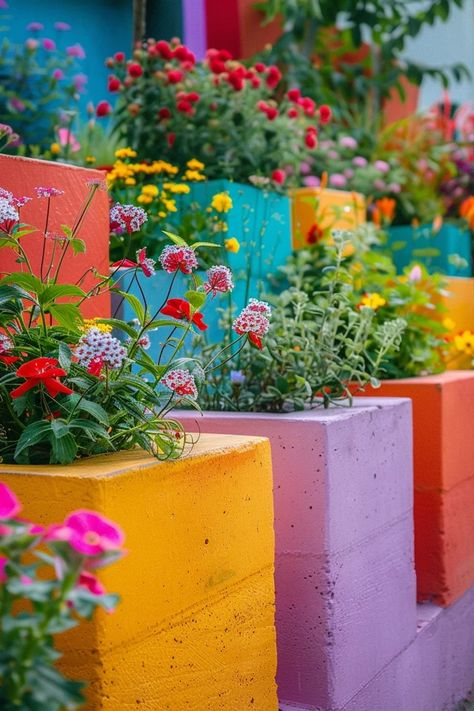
x=436, y=251
x=259, y=220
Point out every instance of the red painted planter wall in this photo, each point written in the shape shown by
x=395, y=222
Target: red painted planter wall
x=21, y=176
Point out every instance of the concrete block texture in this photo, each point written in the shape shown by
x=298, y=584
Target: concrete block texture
x=344, y=573
x=195, y=628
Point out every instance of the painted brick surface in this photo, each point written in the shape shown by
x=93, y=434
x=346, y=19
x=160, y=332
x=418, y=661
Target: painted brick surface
x=344, y=574
x=443, y=416
x=195, y=629
x=21, y=176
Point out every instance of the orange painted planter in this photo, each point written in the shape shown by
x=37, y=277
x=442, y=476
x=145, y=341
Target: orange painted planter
x=443, y=419
x=21, y=176
x=329, y=209
x=459, y=307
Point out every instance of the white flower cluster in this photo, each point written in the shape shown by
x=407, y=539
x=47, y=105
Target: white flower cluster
x=96, y=346
x=7, y=212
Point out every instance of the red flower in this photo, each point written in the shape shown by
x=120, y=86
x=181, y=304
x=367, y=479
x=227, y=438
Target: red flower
x=315, y=233
x=308, y=105
x=8, y=360
x=163, y=48
x=185, y=107
x=146, y=264
x=135, y=70
x=279, y=176
x=270, y=111
x=103, y=109
x=182, y=53
x=294, y=94
x=255, y=82
x=41, y=371
x=181, y=310
x=217, y=66
x=114, y=84
x=193, y=96
x=310, y=140
x=95, y=367
x=273, y=77
x=260, y=67
x=170, y=139
x=164, y=113
x=236, y=78
x=325, y=113
x=119, y=57
x=292, y=113
x=174, y=76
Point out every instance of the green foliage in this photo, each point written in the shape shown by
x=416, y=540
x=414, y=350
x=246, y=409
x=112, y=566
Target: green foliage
x=320, y=349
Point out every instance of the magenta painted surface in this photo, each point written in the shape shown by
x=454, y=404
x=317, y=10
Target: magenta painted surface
x=345, y=581
x=194, y=23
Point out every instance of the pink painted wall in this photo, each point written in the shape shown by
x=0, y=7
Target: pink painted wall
x=21, y=176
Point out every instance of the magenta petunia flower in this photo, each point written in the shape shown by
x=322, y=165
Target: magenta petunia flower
x=9, y=504
x=90, y=582
x=88, y=533
x=49, y=45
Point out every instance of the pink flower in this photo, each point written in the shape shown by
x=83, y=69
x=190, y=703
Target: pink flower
x=62, y=26
x=382, y=166
x=359, y=161
x=18, y=104
x=415, y=274
x=3, y=563
x=79, y=81
x=254, y=320
x=75, y=50
x=127, y=218
x=338, y=180
x=67, y=138
x=180, y=382
x=96, y=349
x=58, y=74
x=175, y=257
x=145, y=263
x=311, y=181
x=49, y=45
x=88, y=533
x=9, y=504
x=219, y=279
x=348, y=142
x=379, y=185
x=34, y=27
x=90, y=582
x=48, y=192
x=8, y=216
x=394, y=188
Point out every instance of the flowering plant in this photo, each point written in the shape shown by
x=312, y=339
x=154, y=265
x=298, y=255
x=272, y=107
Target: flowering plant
x=413, y=296
x=319, y=349
x=229, y=116
x=156, y=187
x=41, y=83
x=70, y=387
x=46, y=587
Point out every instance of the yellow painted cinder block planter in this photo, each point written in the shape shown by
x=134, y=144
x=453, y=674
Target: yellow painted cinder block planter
x=328, y=209
x=195, y=628
x=459, y=308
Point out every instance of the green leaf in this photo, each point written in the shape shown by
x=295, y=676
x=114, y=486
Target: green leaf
x=120, y=325
x=136, y=305
x=67, y=315
x=59, y=428
x=176, y=238
x=56, y=290
x=64, y=449
x=27, y=281
x=196, y=245
x=195, y=298
x=78, y=246
x=32, y=434
x=92, y=408
x=64, y=356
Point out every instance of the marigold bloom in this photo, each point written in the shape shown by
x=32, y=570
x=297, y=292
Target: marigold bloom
x=232, y=245
x=373, y=301
x=41, y=371
x=221, y=202
x=180, y=382
x=88, y=533
x=180, y=309
x=194, y=176
x=125, y=153
x=175, y=257
x=449, y=324
x=219, y=279
x=464, y=342
x=195, y=164
x=9, y=504
x=151, y=190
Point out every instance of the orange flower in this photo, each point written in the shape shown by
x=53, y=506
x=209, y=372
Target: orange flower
x=466, y=210
x=386, y=208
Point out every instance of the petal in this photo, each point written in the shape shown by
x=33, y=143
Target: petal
x=23, y=388
x=197, y=320
x=255, y=340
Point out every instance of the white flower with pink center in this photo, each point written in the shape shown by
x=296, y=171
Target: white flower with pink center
x=127, y=218
x=8, y=216
x=253, y=320
x=180, y=382
x=219, y=279
x=48, y=192
x=175, y=257
x=6, y=344
x=97, y=347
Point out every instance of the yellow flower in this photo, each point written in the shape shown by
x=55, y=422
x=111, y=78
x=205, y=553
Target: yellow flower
x=90, y=159
x=125, y=153
x=232, y=245
x=449, y=324
x=95, y=323
x=144, y=199
x=464, y=342
x=170, y=205
x=195, y=164
x=177, y=188
x=220, y=226
x=130, y=181
x=162, y=213
x=150, y=190
x=55, y=149
x=373, y=301
x=193, y=175
x=222, y=202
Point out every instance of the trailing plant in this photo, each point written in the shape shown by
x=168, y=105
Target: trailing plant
x=71, y=387
x=46, y=588
x=319, y=350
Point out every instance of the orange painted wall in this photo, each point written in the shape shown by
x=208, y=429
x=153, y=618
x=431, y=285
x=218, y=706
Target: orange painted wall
x=21, y=176
x=443, y=421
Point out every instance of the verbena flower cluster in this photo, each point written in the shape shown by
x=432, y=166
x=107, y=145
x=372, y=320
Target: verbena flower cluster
x=96, y=347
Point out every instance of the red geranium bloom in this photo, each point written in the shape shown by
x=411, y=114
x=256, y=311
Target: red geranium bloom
x=113, y=83
x=103, y=109
x=174, y=76
x=325, y=113
x=164, y=113
x=135, y=70
x=163, y=48
x=41, y=370
x=181, y=310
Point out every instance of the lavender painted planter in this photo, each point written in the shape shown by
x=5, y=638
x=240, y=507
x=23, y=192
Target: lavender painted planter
x=345, y=582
